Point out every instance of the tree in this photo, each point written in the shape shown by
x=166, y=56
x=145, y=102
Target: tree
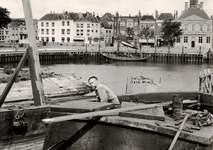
x=130, y=31
x=171, y=31
x=146, y=34
x=4, y=17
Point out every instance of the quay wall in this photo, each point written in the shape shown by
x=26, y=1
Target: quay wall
x=13, y=57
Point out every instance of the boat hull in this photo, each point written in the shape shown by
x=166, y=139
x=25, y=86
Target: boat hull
x=125, y=58
x=110, y=136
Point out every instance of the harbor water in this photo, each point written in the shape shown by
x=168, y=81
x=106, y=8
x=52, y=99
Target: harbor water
x=174, y=76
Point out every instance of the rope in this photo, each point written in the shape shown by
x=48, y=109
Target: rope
x=189, y=84
x=114, y=82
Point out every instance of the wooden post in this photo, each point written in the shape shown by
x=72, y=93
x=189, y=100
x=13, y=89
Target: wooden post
x=35, y=71
x=127, y=83
x=177, y=106
x=200, y=82
x=12, y=79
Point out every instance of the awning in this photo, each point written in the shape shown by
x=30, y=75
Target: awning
x=128, y=45
x=78, y=39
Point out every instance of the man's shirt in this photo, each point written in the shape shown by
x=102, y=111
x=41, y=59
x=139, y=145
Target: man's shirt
x=106, y=95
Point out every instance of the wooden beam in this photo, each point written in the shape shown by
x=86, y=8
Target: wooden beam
x=35, y=70
x=12, y=79
x=178, y=133
x=106, y=112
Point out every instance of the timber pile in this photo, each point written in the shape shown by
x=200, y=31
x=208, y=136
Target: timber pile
x=53, y=87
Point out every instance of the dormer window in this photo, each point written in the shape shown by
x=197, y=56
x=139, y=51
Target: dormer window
x=201, y=28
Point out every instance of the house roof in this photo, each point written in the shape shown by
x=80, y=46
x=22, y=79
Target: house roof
x=108, y=17
x=105, y=24
x=164, y=16
x=147, y=17
x=194, y=11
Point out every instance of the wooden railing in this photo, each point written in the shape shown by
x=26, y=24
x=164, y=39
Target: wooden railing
x=205, y=82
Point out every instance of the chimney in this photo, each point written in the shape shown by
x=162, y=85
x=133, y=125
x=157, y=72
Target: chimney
x=176, y=14
x=79, y=15
x=186, y=5
x=201, y=5
x=50, y=12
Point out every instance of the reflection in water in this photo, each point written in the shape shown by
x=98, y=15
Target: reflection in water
x=174, y=75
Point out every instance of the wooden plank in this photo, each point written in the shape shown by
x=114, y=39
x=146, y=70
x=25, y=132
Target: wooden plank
x=155, y=113
x=35, y=71
x=81, y=106
x=12, y=79
x=105, y=112
x=178, y=133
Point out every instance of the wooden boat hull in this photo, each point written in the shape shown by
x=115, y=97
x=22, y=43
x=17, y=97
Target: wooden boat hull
x=125, y=58
x=109, y=136
x=113, y=132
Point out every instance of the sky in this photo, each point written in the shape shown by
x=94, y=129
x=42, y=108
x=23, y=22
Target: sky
x=100, y=7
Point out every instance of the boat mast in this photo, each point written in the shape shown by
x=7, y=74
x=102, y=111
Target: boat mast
x=33, y=56
x=118, y=31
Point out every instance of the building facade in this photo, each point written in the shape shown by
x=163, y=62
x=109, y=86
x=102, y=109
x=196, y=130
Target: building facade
x=68, y=27
x=196, y=26
x=16, y=32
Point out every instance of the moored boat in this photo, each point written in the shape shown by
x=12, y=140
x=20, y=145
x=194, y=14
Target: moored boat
x=124, y=58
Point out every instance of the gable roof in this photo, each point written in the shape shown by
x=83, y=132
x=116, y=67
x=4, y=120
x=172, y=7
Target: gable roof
x=194, y=11
x=164, y=16
x=105, y=24
x=147, y=17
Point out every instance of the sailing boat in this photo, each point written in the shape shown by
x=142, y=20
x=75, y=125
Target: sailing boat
x=121, y=39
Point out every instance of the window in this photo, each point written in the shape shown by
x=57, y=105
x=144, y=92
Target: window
x=42, y=24
x=53, y=31
x=201, y=28
x=208, y=28
x=68, y=23
x=68, y=31
x=193, y=28
x=185, y=39
x=88, y=25
x=47, y=39
x=47, y=31
x=77, y=25
x=63, y=23
x=178, y=40
x=200, y=40
x=82, y=34
x=88, y=30
x=92, y=25
x=42, y=31
x=207, y=39
x=62, y=31
x=53, y=39
x=62, y=39
x=42, y=38
x=96, y=31
x=68, y=39
x=82, y=25
x=53, y=24
x=47, y=24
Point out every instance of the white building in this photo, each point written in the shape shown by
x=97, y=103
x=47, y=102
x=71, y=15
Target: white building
x=68, y=28
x=56, y=27
x=196, y=26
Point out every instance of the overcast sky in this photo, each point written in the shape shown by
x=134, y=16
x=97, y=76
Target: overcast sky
x=124, y=7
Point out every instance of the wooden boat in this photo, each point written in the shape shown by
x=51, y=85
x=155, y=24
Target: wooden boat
x=139, y=84
x=124, y=58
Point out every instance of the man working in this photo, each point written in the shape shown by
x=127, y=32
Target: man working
x=103, y=93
